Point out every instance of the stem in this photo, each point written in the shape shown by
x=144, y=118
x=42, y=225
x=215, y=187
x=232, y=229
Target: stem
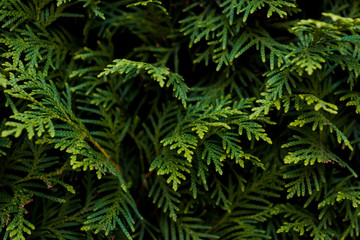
x=218, y=222
x=102, y=150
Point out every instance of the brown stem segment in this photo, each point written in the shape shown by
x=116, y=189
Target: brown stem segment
x=102, y=150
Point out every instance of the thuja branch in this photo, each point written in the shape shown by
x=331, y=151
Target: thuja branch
x=57, y=110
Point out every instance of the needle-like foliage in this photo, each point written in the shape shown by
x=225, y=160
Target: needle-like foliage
x=203, y=119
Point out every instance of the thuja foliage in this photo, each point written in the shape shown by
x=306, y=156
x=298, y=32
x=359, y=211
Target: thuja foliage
x=203, y=119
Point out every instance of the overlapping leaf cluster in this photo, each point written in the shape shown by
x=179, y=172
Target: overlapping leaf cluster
x=232, y=119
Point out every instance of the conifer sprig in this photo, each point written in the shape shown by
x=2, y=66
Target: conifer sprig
x=256, y=139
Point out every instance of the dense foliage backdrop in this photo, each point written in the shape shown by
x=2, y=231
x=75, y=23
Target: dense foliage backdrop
x=203, y=119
